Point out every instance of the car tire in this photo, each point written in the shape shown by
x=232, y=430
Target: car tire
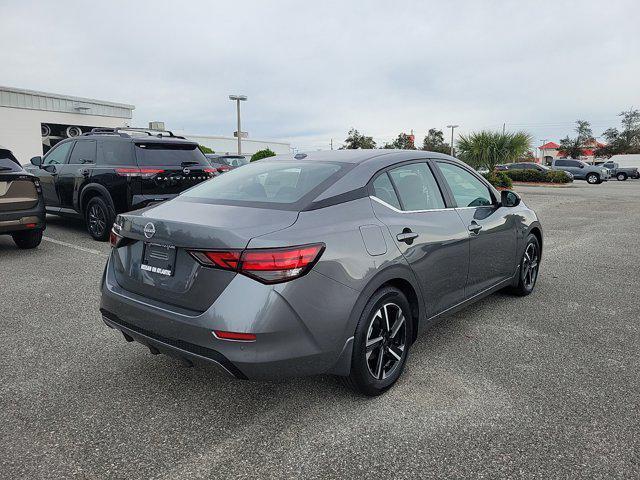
x=27, y=239
x=593, y=178
x=527, y=276
x=621, y=177
x=380, y=344
x=99, y=217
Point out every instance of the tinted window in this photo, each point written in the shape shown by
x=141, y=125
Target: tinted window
x=8, y=162
x=467, y=190
x=416, y=187
x=83, y=152
x=574, y=163
x=266, y=182
x=58, y=154
x=562, y=163
x=234, y=161
x=115, y=153
x=383, y=190
x=167, y=154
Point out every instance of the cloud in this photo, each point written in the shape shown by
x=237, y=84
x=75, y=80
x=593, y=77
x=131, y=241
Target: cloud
x=312, y=70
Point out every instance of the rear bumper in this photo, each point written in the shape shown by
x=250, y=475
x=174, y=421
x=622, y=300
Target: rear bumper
x=296, y=334
x=23, y=219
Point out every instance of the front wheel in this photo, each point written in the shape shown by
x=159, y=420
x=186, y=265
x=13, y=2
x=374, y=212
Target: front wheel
x=593, y=178
x=27, y=239
x=99, y=218
x=621, y=177
x=381, y=342
x=529, y=267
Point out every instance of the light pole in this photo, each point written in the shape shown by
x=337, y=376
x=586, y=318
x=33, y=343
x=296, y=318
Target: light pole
x=544, y=142
x=452, y=127
x=238, y=99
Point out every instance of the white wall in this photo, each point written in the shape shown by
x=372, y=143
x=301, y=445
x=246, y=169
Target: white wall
x=20, y=128
x=230, y=145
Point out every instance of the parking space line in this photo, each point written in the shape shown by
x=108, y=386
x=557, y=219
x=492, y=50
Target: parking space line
x=76, y=247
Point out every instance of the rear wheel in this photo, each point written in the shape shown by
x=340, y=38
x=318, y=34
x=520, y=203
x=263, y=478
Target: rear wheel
x=529, y=267
x=381, y=342
x=593, y=178
x=99, y=217
x=621, y=177
x=27, y=238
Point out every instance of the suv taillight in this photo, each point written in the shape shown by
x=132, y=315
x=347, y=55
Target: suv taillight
x=138, y=172
x=267, y=265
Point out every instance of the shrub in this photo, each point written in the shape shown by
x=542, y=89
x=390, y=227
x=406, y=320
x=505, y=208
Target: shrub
x=536, y=176
x=267, y=152
x=204, y=149
x=498, y=179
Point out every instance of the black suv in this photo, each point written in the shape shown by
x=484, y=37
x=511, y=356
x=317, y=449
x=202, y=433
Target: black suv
x=109, y=171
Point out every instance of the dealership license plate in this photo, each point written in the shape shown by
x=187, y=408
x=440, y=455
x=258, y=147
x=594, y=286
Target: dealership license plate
x=160, y=259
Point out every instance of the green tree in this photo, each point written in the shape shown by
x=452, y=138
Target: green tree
x=622, y=141
x=402, y=142
x=434, y=142
x=267, y=152
x=204, y=149
x=583, y=129
x=356, y=140
x=571, y=147
x=488, y=149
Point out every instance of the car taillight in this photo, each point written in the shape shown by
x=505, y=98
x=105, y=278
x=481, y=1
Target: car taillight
x=114, y=238
x=223, y=169
x=38, y=186
x=267, y=265
x=138, y=172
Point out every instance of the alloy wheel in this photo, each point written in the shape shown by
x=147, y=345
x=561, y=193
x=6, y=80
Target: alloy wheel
x=592, y=179
x=386, y=341
x=530, y=266
x=97, y=220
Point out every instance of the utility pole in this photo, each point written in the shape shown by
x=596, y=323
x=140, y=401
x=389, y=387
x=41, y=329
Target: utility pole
x=544, y=142
x=504, y=125
x=332, y=144
x=238, y=99
x=452, y=127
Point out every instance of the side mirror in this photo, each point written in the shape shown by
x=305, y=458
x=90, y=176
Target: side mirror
x=581, y=166
x=509, y=198
x=37, y=161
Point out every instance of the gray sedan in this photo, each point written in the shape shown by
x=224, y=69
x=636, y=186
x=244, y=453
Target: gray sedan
x=327, y=262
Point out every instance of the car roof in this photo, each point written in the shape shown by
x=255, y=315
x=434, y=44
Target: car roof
x=354, y=156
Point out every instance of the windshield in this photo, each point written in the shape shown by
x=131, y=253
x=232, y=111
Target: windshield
x=8, y=163
x=267, y=182
x=169, y=154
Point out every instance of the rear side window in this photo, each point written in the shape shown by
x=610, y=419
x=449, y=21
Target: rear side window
x=562, y=163
x=8, y=162
x=467, y=190
x=169, y=155
x=115, y=153
x=266, y=182
x=83, y=152
x=383, y=189
x=416, y=187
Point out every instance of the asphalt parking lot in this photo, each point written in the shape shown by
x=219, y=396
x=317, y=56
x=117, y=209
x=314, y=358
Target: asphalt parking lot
x=545, y=386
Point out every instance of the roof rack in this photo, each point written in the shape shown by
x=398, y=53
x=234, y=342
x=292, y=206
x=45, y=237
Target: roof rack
x=121, y=132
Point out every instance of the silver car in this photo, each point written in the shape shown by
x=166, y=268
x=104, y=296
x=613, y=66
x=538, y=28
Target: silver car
x=327, y=262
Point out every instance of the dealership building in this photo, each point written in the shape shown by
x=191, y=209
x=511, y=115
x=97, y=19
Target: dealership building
x=32, y=122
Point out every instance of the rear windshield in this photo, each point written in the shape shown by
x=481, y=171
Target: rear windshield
x=268, y=183
x=233, y=161
x=167, y=154
x=8, y=162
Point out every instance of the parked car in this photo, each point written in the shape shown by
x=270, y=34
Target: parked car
x=528, y=166
x=22, y=213
x=327, y=262
x=621, y=173
x=224, y=163
x=102, y=173
x=580, y=170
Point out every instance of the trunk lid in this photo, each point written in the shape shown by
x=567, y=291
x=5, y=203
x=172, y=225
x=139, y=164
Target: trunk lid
x=174, y=227
x=17, y=191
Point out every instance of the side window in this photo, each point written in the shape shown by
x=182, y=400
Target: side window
x=57, y=155
x=467, y=190
x=383, y=189
x=83, y=152
x=115, y=152
x=416, y=187
x=573, y=163
x=562, y=163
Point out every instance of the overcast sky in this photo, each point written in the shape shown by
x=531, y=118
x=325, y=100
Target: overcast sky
x=312, y=70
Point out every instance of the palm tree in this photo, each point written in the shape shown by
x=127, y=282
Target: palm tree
x=488, y=149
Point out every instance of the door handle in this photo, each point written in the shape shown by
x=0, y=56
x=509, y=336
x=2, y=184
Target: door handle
x=475, y=227
x=407, y=236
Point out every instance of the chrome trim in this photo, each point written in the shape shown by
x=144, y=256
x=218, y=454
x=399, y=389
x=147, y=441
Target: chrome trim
x=382, y=202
